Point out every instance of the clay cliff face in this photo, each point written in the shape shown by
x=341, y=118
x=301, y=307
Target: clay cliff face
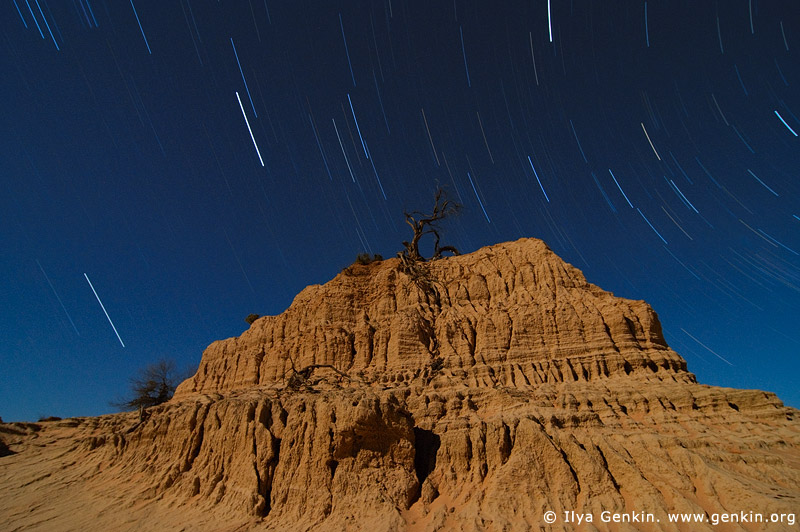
x=476, y=393
x=512, y=315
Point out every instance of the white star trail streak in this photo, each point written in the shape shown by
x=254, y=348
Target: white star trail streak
x=430, y=138
x=650, y=141
x=739, y=76
x=57, y=297
x=383, y=192
x=579, y=142
x=749, y=148
x=676, y=223
x=651, y=226
x=349, y=168
x=533, y=57
x=790, y=250
x=714, y=99
x=538, y=180
x=244, y=80
x=357, y=126
x=91, y=12
x=26, y=24
x=380, y=101
x=141, y=29
x=347, y=51
x=104, y=309
x=549, y=21
x=759, y=235
x=603, y=192
x=479, y=198
x=319, y=145
x=620, y=188
x=27, y=3
x=685, y=267
x=464, y=53
x=708, y=348
x=762, y=183
x=784, y=123
x=248, y=128
x=783, y=33
x=485, y=142
x=47, y=24
x=689, y=203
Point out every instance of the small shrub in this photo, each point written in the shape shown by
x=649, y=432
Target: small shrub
x=154, y=384
x=362, y=259
x=49, y=418
x=365, y=258
x=251, y=318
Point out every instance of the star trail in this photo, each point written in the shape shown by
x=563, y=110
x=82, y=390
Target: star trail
x=123, y=154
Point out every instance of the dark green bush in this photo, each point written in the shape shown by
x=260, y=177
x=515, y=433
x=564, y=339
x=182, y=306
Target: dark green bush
x=251, y=318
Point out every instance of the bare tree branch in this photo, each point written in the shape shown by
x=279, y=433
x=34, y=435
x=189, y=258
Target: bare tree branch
x=428, y=223
x=152, y=385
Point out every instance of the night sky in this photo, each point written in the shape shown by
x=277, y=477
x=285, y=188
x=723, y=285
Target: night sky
x=194, y=161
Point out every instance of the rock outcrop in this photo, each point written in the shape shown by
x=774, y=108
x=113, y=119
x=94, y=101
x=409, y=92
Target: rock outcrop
x=475, y=393
x=508, y=315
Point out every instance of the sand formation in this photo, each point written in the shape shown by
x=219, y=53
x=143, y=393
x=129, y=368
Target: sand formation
x=477, y=393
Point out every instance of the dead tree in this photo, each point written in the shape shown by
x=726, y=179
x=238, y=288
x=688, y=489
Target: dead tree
x=301, y=378
x=428, y=223
x=152, y=385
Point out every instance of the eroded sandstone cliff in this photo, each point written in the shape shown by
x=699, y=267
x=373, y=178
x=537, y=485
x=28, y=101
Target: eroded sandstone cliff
x=476, y=393
x=511, y=314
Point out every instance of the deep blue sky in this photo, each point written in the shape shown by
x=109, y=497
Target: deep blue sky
x=129, y=160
